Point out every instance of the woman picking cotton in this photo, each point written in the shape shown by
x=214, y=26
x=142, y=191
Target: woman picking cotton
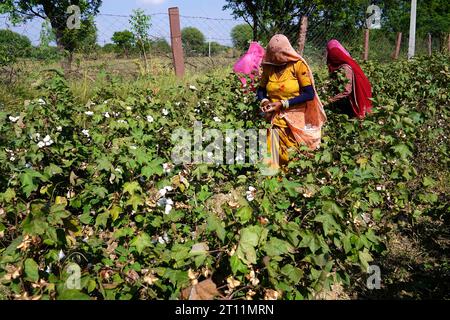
x=289, y=101
x=354, y=98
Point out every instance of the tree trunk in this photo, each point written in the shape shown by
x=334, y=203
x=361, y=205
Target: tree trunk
x=255, y=28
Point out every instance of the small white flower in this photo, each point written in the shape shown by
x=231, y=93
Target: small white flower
x=150, y=119
x=49, y=143
x=59, y=129
x=61, y=255
x=12, y=159
x=86, y=133
x=107, y=115
x=167, y=167
x=250, y=197
x=41, y=144
x=89, y=113
x=217, y=119
x=193, y=88
x=47, y=138
x=14, y=119
x=165, y=112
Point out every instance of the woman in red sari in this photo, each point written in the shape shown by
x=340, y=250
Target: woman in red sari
x=355, y=100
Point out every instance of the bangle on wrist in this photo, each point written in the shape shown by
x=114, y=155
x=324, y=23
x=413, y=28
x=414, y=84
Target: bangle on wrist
x=285, y=104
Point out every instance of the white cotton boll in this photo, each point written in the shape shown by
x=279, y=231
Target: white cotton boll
x=193, y=88
x=89, y=113
x=161, y=240
x=178, y=104
x=129, y=108
x=122, y=121
x=217, y=119
x=107, y=115
x=168, y=188
x=85, y=132
x=168, y=209
x=47, y=138
x=41, y=144
x=14, y=119
x=28, y=165
x=41, y=102
x=59, y=129
x=379, y=188
x=61, y=255
x=150, y=119
x=252, y=189
x=12, y=159
x=250, y=197
x=133, y=147
x=165, y=112
x=162, y=192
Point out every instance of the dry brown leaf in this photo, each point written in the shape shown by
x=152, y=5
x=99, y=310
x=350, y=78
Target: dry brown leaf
x=205, y=290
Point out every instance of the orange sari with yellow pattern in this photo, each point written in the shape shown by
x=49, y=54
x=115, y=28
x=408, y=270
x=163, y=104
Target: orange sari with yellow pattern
x=298, y=125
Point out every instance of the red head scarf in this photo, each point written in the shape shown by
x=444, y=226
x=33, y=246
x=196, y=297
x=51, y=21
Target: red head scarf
x=362, y=90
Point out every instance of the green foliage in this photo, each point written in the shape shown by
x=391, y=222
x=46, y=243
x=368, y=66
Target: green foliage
x=96, y=195
x=13, y=46
x=193, y=41
x=124, y=41
x=242, y=35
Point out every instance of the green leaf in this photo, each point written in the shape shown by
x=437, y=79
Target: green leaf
x=73, y=294
x=31, y=270
x=277, y=247
x=330, y=207
x=365, y=258
x=402, y=150
x=141, y=242
x=244, y=214
x=28, y=179
x=292, y=273
x=131, y=187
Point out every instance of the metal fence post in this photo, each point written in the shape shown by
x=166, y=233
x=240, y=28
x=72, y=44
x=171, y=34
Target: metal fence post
x=302, y=36
x=177, y=46
x=398, y=45
x=366, y=44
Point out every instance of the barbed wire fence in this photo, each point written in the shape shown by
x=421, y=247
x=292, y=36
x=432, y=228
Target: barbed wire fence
x=215, y=48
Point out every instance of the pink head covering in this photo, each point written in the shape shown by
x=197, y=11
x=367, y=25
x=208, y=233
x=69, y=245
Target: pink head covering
x=280, y=51
x=336, y=44
x=249, y=64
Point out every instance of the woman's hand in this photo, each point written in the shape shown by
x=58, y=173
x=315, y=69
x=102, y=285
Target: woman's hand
x=264, y=105
x=273, y=107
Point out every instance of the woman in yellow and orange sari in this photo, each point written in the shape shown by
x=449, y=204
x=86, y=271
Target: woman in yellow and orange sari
x=289, y=100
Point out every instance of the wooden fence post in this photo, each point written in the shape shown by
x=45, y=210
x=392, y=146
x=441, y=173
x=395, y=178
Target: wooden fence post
x=177, y=46
x=430, y=45
x=302, y=36
x=398, y=45
x=366, y=44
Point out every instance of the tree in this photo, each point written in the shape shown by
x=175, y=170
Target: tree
x=124, y=41
x=160, y=45
x=12, y=47
x=47, y=35
x=241, y=34
x=193, y=41
x=140, y=25
x=57, y=13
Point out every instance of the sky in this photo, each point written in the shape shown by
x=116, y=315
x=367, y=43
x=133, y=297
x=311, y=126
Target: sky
x=114, y=16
